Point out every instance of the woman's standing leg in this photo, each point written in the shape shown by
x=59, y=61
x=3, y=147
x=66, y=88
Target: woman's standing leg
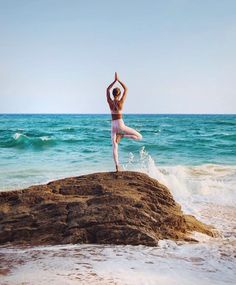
x=115, y=149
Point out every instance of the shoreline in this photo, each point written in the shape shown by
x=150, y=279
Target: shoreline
x=166, y=264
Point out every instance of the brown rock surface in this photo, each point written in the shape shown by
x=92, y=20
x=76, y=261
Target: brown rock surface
x=106, y=208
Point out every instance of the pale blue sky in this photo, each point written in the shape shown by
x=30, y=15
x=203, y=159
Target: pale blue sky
x=176, y=56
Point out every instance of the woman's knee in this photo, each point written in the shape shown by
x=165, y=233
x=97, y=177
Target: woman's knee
x=139, y=136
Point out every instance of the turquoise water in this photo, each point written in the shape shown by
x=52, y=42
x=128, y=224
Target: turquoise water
x=37, y=148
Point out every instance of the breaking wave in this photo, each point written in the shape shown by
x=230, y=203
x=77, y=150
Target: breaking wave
x=211, y=183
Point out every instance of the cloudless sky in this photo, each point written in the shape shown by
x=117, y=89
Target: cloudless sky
x=176, y=56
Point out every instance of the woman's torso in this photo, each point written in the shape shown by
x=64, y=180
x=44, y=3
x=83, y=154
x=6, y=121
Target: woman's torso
x=116, y=109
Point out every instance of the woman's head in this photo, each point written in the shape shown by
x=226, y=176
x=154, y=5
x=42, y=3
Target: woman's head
x=116, y=92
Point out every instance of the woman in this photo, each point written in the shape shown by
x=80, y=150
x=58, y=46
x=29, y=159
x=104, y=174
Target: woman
x=118, y=129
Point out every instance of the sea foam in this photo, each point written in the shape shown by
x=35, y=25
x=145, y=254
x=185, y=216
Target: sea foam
x=211, y=183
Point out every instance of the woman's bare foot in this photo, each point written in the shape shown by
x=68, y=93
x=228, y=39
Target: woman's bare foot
x=119, y=137
x=118, y=168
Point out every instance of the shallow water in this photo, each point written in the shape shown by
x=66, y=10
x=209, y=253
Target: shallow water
x=211, y=261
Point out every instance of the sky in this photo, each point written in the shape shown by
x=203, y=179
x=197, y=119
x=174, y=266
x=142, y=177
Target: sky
x=175, y=56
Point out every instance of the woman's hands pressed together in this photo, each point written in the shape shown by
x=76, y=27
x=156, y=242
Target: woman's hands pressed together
x=116, y=77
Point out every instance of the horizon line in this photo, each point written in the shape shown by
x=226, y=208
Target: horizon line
x=123, y=113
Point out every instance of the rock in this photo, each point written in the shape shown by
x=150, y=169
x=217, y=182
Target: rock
x=105, y=208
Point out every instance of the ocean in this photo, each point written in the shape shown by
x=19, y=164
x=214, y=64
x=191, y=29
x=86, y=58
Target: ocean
x=38, y=148
x=193, y=155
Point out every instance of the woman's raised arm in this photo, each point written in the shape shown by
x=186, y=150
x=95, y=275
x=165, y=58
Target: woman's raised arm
x=109, y=88
x=125, y=90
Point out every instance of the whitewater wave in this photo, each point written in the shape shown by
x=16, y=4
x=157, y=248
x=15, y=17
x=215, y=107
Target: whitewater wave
x=211, y=183
x=20, y=140
x=23, y=141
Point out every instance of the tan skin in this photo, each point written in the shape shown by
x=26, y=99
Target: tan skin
x=118, y=103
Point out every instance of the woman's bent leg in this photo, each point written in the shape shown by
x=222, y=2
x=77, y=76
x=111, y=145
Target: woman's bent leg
x=131, y=133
